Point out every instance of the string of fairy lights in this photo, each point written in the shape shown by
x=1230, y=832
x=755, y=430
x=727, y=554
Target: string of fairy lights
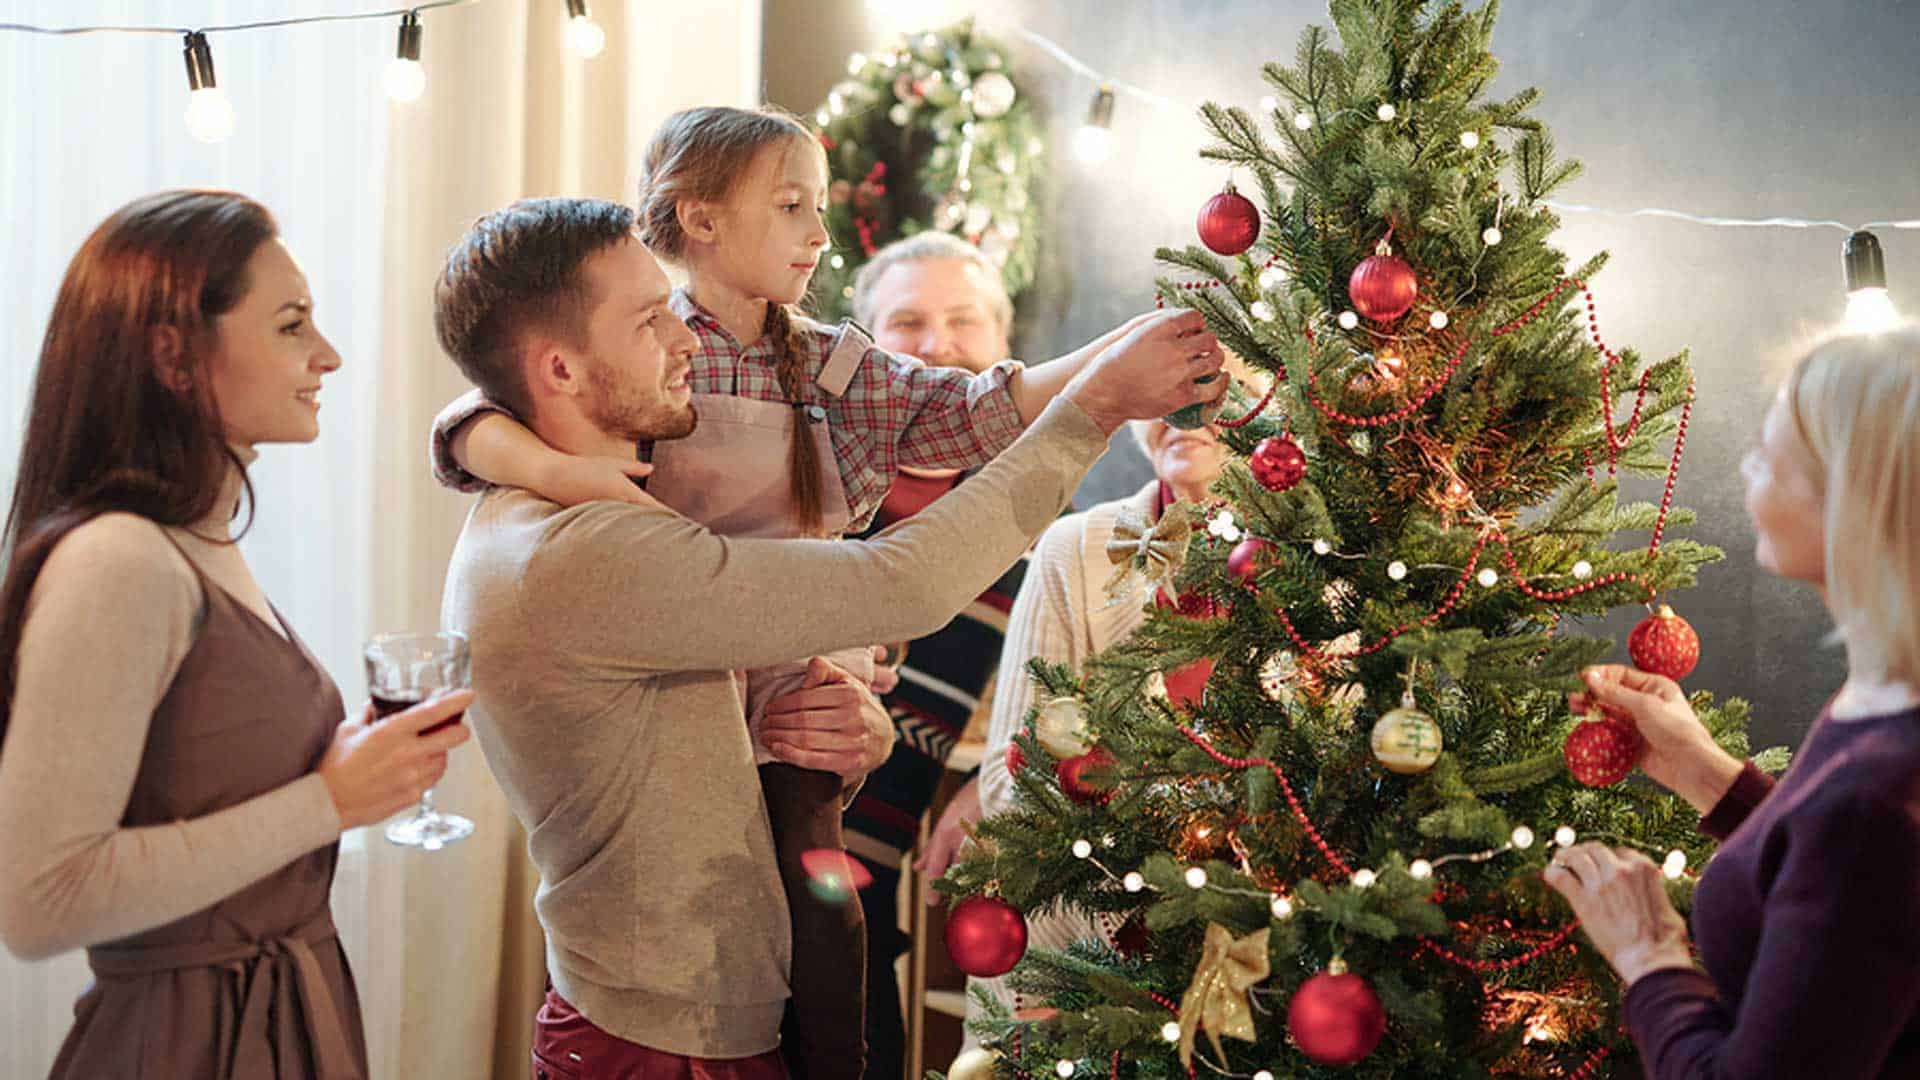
x=210, y=115
x=210, y=118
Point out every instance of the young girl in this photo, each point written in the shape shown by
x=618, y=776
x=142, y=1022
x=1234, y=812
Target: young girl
x=801, y=430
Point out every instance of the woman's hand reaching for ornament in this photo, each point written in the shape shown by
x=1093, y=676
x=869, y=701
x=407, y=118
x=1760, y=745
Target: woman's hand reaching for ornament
x=1621, y=902
x=1681, y=756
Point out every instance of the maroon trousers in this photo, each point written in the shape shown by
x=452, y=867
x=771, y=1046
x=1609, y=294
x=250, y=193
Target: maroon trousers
x=566, y=1046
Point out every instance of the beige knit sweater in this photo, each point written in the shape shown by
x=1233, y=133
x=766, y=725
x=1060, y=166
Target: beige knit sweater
x=603, y=637
x=110, y=619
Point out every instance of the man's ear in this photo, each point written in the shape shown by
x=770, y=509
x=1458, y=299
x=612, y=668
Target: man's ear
x=552, y=372
x=167, y=349
x=699, y=220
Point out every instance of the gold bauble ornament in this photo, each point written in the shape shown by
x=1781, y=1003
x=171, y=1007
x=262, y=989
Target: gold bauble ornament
x=1406, y=740
x=1061, y=727
x=974, y=1064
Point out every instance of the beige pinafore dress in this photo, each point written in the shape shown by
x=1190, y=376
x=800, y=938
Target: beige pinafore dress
x=255, y=987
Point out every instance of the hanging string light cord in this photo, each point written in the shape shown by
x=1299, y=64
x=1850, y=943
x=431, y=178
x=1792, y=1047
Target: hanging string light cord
x=1081, y=67
x=64, y=31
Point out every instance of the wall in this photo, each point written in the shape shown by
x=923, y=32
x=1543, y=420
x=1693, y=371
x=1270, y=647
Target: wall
x=1764, y=108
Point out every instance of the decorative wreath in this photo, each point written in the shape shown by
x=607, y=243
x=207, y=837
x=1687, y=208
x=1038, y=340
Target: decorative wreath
x=930, y=134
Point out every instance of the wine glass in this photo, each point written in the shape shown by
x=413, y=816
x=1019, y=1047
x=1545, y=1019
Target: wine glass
x=404, y=670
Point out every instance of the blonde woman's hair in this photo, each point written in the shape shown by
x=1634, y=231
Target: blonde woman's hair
x=1856, y=401
x=697, y=156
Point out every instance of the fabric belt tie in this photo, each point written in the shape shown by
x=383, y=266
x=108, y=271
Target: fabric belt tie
x=262, y=968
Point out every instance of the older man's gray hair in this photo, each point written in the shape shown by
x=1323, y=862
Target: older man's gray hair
x=922, y=247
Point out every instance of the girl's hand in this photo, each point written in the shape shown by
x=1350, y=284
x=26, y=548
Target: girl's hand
x=1622, y=904
x=1681, y=756
x=376, y=768
x=570, y=480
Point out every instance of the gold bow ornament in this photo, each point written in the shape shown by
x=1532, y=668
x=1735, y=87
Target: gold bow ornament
x=1154, y=550
x=1217, y=998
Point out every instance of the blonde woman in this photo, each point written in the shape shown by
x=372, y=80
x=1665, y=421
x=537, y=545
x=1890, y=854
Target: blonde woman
x=1808, y=919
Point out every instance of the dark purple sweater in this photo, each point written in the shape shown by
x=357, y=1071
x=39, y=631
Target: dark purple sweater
x=1807, y=920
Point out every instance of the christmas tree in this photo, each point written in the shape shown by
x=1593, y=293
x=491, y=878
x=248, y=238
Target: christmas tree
x=1327, y=861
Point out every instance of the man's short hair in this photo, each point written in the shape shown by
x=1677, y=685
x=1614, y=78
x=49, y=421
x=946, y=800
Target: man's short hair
x=515, y=272
x=921, y=247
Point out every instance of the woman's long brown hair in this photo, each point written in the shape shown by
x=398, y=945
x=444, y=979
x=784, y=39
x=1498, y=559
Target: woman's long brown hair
x=698, y=155
x=106, y=431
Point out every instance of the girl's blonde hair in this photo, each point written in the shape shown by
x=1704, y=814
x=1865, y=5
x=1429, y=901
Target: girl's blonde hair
x=1856, y=401
x=698, y=155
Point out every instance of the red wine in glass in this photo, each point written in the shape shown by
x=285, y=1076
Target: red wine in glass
x=388, y=702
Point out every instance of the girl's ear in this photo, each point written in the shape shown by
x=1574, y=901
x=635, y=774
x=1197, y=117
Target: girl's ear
x=699, y=220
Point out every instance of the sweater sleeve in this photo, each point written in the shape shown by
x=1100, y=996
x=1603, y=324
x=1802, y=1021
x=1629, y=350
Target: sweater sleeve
x=1042, y=626
x=642, y=590
x=1748, y=789
x=440, y=443
x=109, y=621
x=1833, y=982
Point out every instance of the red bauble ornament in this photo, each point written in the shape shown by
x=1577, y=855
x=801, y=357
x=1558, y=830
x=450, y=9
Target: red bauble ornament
x=986, y=936
x=1229, y=222
x=1185, y=686
x=1665, y=644
x=1600, y=753
x=1278, y=463
x=1382, y=287
x=1336, y=1019
x=1016, y=759
x=1192, y=605
x=1132, y=939
x=1248, y=558
x=1074, y=783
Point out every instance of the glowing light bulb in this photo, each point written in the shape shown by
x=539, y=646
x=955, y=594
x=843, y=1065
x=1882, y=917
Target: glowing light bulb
x=1438, y=320
x=1322, y=547
x=1262, y=310
x=1364, y=878
x=1348, y=320
x=1302, y=120
x=1565, y=836
x=1269, y=103
x=1675, y=865
x=1170, y=1031
x=584, y=36
x=1196, y=877
x=1063, y=1068
x=406, y=80
x=1492, y=236
x=1397, y=570
x=1583, y=570
x=1082, y=849
x=1469, y=140
x=1093, y=142
x=1271, y=277
x=1869, y=309
x=1386, y=112
x=1281, y=907
x=210, y=116
x=1523, y=838
x=1488, y=578
x=1133, y=882
x=1420, y=869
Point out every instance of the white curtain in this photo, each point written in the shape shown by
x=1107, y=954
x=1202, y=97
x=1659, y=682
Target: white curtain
x=352, y=537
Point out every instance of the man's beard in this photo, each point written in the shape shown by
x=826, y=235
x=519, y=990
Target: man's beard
x=623, y=412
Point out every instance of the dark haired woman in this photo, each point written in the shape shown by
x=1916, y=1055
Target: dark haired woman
x=174, y=771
